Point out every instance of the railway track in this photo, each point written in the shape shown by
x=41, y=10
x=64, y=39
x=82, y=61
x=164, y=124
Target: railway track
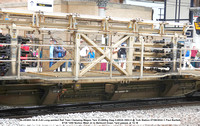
x=24, y=112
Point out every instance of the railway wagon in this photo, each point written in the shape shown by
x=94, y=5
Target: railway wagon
x=150, y=65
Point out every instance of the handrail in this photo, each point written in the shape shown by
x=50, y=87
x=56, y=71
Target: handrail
x=180, y=60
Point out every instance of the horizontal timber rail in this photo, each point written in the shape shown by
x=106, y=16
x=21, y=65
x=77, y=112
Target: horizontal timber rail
x=70, y=22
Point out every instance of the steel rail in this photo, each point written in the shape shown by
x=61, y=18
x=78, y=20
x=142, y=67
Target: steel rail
x=24, y=112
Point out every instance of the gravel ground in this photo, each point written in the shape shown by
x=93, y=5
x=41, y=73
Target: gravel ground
x=182, y=115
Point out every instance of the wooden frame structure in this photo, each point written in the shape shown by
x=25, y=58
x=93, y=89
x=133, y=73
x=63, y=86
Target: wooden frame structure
x=80, y=27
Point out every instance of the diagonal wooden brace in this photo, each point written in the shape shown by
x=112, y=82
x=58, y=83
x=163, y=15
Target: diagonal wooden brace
x=92, y=64
x=58, y=64
x=104, y=55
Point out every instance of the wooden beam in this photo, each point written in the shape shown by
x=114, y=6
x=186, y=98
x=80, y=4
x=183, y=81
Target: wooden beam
x=149, y=54
x=129, y=56
x=57, y=64
x=92, y=64
x=124, y=38
x=77, y=38
x=162, y=29
x=92, y=43
x=148, y=44
x=97, y=49
x=105, y=54
x=105, y=25
x=105, y=73
x=135, y=27
x=119, y=68
x=72, y=22
x=174, y=40
x=142, y=56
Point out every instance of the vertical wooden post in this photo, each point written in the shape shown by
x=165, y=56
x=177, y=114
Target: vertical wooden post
x=141, y=56
x=19, y=61
x=129, y=56
x=111, y=49
x=36, y=33
x=111, y=59
x=14, y=42
x=38, y=59
x=174, y=40
x=180, y=63
x=45, y=52
x=77, y=38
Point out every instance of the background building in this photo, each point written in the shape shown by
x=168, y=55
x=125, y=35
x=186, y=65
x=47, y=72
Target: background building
x=114, y=8
x=157, y=7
